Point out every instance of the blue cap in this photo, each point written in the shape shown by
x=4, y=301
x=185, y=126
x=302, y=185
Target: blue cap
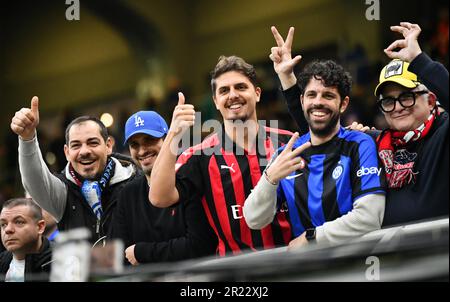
x=146, y=122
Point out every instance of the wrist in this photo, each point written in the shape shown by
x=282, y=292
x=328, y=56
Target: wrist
x=287, y=80
x=310, y=234
x=27, y=138
x=415, y=55
x=269, y=179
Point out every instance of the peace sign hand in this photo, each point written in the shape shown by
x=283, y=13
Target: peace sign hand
x=287, y=161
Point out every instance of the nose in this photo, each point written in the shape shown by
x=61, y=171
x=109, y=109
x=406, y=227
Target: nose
x=9, y=229
x=319, y=99
x=233, y=93
x=85, y=149
x=141, y=150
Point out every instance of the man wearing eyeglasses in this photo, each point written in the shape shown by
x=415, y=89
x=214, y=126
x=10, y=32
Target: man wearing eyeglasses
x=414, y=150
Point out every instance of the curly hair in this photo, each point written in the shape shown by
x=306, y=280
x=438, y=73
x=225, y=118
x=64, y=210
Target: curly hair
x=330, y=73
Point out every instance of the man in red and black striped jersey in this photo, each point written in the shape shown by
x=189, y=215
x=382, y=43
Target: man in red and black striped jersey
x=226, y=166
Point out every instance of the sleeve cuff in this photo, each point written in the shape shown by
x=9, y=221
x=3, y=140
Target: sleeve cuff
x=27, y=148
x=142, y=252
x=419, y=62
x=320, y=235
x=292, y=92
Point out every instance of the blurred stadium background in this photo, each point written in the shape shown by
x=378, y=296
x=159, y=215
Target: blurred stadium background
x=123, y=56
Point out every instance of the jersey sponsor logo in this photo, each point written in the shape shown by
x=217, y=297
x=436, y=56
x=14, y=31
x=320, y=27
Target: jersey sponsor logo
x=337, y=172
x=237, y=212
x=368, y=171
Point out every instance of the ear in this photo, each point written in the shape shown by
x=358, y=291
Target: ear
x=344, y=104
x=301, y=102
x=109, y=145
x=41, y=226
x=431, y=100
x=258, y=93
x=66, y=152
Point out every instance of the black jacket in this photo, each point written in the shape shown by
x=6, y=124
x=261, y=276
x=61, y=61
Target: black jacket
x=161, y=234
x=78, y=213
x=429, y=196
x=37, y=266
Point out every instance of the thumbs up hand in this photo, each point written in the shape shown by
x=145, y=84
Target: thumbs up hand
x=26, y=120
x=183, y=116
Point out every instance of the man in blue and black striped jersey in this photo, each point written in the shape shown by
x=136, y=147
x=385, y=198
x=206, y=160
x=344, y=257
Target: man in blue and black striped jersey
x=330, y=177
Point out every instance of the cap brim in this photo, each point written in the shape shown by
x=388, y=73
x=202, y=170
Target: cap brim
x=401, y=81
x=153, y=133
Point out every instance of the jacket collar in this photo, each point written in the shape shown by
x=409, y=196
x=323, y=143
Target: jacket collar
x=121, y=172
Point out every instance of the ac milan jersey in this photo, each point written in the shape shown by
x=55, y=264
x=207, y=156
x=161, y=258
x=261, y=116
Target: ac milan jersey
x=222, y=175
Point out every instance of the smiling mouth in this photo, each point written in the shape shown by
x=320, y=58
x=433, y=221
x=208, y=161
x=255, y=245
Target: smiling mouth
x=86, y=162
x=235, y=106
x=319, y=114
x=144, y=159
x=400, y=116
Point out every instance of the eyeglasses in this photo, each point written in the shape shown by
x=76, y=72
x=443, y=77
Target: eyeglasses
x=406, y=99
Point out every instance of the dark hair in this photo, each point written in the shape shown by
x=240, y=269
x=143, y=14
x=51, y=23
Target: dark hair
x=85, y=118
x=36, y=211
x=233, y=63
x=330, y=73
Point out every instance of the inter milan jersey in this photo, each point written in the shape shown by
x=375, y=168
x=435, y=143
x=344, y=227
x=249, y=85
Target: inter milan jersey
x=222, y=175
x=336, y=174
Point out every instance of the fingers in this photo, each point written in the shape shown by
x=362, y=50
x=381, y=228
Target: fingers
x=301, y=148
x=25, y=116
x=291, y=142
x=396, y=44
x=277, y=36
x=400, y=29
x=181, y=99
x=182, y=109
x=407, y=28
x=17, y=129
x=296, y=60
x=410, y=26
x=275, y=58
x=290, y=38
x=35, y=105
x=275, y=54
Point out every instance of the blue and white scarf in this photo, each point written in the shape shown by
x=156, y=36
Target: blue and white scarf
x=92, y=189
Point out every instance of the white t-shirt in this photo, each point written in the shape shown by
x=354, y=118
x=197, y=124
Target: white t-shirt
x=16, y=272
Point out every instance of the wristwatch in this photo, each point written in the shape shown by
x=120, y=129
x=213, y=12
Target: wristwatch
x=310, y=234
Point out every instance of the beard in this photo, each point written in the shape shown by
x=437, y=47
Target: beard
x=322, y=129
x=147, y=170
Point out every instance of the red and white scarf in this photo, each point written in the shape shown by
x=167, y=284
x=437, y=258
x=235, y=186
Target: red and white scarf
x=398, y=163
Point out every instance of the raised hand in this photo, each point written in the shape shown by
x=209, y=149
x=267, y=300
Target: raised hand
x=281, y=55
x=287, y=161
x=26, y=120
x=183, y=116
x=409, y=46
